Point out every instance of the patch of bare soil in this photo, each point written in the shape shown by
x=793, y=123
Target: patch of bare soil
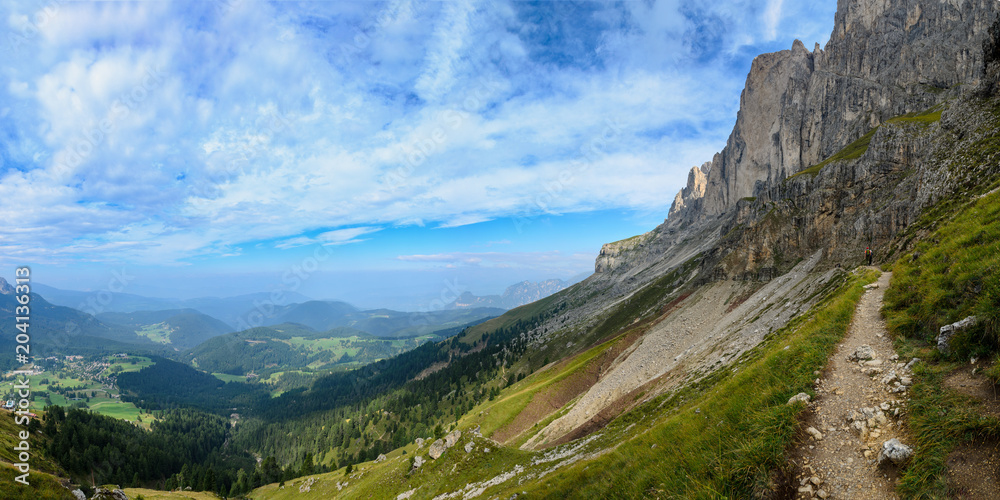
x=554, y=397
x=434, y=368
x=970, y=381
x=619, y=406
x=856, y=410
x=974, y=471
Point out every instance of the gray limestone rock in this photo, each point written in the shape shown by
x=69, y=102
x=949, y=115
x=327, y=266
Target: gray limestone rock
x=948, y=331
x=799, y=397
x=103, y=493
x=862, y=353
x=436, y=449
x=452, y=438
x=991, y=59
x=895, y=452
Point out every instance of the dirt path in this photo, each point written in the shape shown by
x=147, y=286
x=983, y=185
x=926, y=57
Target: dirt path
x=856, y=410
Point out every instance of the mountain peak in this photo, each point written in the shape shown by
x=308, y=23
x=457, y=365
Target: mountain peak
x=5, y=288
x=513, y=296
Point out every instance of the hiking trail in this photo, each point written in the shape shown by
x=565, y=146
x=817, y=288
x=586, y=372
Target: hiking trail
x=860, y=401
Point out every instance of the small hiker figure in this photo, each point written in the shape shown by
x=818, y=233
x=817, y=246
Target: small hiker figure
x=868, y=255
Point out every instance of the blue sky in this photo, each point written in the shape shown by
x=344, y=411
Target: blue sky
x=211, y=147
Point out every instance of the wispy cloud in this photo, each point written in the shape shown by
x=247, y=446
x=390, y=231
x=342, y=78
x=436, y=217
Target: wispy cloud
x=553, y=261
x=328, y=238
x=772, y=16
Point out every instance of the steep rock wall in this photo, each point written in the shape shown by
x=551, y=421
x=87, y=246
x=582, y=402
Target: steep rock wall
x=884, y=58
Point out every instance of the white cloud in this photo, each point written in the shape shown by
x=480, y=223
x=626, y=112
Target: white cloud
x=328, y=238
x=342, y=236
x=445, y=50
x=772, y=16
x=553, y=261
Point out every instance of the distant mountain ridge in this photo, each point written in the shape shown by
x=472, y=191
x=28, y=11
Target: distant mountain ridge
x=184, y=328
x=515, y=295
x=229, y=310
x=327, y=315
x=54, y=329
x=92, y=317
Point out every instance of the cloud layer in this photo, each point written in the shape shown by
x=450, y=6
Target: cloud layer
x=159, y=132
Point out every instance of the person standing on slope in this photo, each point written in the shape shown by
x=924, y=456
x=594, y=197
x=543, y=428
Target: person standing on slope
x=868, y=255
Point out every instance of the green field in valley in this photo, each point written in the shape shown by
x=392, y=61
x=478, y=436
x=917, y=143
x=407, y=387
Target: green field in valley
x=225, y=377
x=82, y=389
x=159, y=333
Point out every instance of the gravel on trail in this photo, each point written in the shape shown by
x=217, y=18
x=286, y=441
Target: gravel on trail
x=858, y=406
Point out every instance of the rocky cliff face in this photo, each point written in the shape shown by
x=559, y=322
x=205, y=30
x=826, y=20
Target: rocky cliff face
x=884, y=58
x=991, y=59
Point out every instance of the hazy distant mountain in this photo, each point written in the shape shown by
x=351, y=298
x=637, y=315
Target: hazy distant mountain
x=515, y=295
x=326, y=315
x=320, y=315
x=229, y=310
x=238, y=311
x=5, y=288
x=182, y=328
x=102, y=302
x=388, y=323
x=58, y=330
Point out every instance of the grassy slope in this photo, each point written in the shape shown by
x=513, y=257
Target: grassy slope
x=159, y=333
x=726, y=435
x=168, y=495
x=475, y=333
x=952, y=273
x=43, y=484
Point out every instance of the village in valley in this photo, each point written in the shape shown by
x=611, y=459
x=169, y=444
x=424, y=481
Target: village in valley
x=85, y=382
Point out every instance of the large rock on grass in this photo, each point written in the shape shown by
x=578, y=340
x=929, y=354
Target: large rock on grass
x=437, y=449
